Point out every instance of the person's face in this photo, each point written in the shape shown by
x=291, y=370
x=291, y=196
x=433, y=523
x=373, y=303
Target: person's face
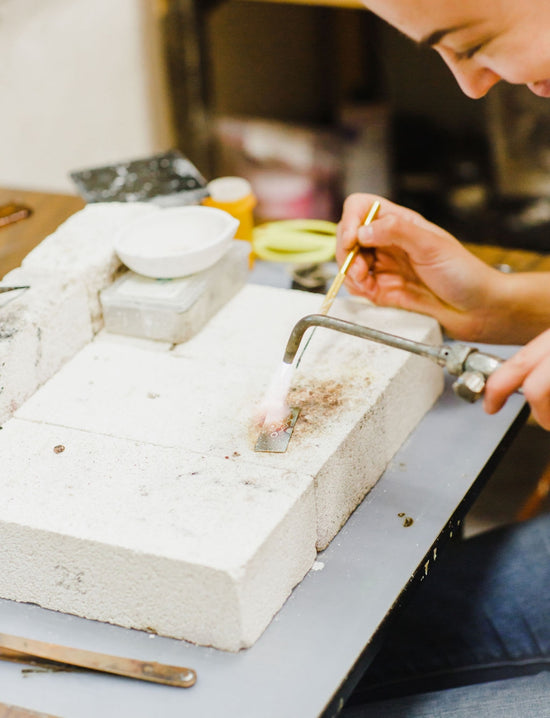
x=482, y=41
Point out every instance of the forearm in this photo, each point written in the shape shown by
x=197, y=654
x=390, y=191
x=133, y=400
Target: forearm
x=520, y=309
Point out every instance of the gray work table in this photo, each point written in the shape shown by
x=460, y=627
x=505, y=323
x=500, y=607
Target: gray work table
x=308, y=659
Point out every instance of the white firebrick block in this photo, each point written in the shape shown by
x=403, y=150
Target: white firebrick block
x=18, y=354
x=81, y=249
x=359, y=400
x=154, y=538
x=253, y=328
x=376, y=398
x=40, y=329
x=131, y=489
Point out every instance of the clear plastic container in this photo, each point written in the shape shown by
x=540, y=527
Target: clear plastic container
x=173, y=310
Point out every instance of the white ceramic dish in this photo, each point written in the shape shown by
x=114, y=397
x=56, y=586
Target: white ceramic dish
x=176, y=241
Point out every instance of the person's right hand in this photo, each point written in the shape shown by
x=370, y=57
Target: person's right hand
x=529, y=368
x=410, y=263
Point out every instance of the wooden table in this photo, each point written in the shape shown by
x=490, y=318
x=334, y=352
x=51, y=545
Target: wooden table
x=48, y=212
x=519, y=260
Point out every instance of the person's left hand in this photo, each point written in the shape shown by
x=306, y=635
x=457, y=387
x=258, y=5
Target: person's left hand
x=528, y=368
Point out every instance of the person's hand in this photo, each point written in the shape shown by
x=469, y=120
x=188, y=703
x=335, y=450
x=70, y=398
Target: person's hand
x=407, y=262
x=528, y=368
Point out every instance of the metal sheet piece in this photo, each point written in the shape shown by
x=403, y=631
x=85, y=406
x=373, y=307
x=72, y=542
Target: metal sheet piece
x=275, y=438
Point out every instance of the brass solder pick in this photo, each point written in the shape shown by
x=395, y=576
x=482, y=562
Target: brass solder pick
x=339, y=278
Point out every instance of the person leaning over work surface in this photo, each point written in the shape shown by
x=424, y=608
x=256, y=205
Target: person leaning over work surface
x=476, y=635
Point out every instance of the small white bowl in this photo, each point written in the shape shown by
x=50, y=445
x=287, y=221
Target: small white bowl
x=176, y=241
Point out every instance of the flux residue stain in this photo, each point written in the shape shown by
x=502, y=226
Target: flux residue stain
x=315, y=399
x=318, y=400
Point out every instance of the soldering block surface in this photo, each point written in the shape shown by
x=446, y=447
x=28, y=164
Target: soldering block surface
x=359, y=400
x=40, y=329
x=150, y=537
x=168, y=436
x=81, y=250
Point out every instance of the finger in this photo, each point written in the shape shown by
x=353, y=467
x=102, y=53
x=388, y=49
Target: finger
x=364, y=287
x=536, y=388
x=355, y=290
x=501, y=384
x=354, y=212
x=362, y=265
x=383, y=263
x=418, y=239
x=528, y=368
x=392, y=290
x=357, y=208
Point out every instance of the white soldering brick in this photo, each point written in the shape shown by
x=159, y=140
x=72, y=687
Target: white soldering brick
x=204, y=405
x=138, y=342
x=253, y=328
x=18, y=374
x=40, y=329
x=394, y=389
x=365, y=398
x=159, y=502
x=359, y=400
x=148, y=537
x=81, y=249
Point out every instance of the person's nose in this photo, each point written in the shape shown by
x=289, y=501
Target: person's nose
x=474, y=80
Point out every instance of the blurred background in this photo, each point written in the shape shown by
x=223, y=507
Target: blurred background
x=310, y=100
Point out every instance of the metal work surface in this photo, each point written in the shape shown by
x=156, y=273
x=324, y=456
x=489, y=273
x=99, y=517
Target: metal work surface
x=300, y=666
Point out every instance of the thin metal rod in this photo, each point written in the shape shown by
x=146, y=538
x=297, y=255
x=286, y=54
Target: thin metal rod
x=339, y=278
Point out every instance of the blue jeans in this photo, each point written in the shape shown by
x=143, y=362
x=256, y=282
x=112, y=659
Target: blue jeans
x=475, y=635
